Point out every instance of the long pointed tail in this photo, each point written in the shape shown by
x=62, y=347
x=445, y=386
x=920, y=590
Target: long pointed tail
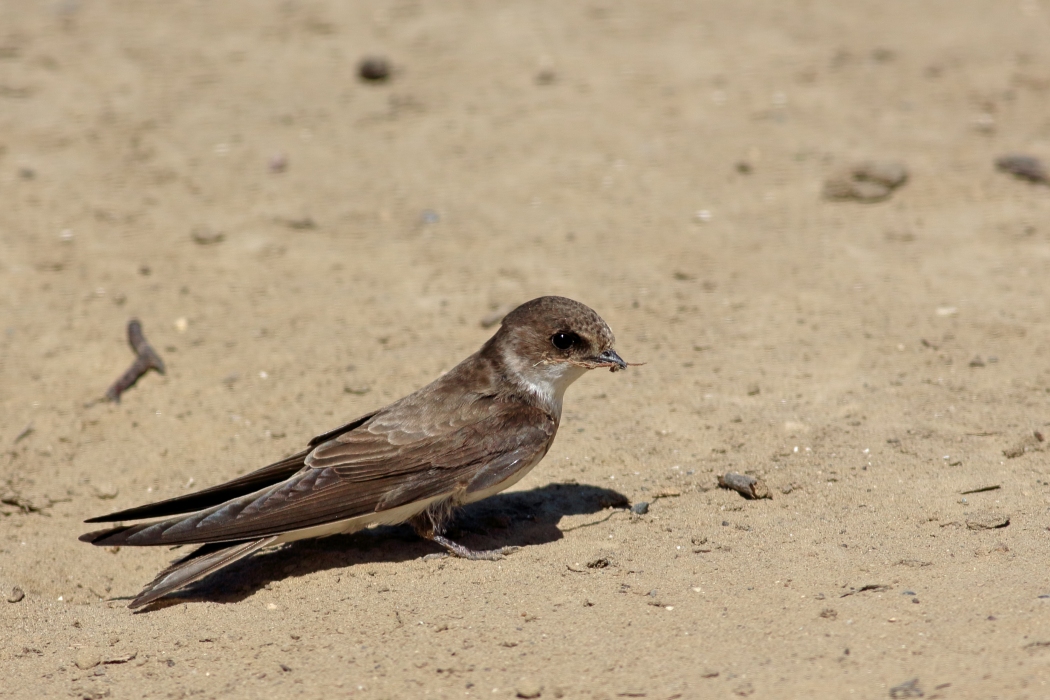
x=200, y=563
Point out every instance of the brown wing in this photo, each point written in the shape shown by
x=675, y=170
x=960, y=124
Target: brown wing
x=405, y=454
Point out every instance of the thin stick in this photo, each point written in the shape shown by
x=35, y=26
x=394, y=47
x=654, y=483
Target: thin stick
x=24, y=432
x=146, y=358
x=981, y=490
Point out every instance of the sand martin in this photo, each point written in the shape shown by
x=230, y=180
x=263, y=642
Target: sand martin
x=473, y=432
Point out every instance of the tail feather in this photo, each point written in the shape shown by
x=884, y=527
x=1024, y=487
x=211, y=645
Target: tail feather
x=182, y=529
x=200, y=563
x=110, y=537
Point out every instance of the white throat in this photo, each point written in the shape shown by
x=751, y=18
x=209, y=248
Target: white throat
x=545, y=381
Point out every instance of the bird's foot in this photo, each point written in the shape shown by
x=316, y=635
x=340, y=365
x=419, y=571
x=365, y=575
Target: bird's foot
x=458, y=550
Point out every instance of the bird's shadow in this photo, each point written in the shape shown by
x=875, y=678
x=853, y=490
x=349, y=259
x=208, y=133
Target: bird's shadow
x=521, y=518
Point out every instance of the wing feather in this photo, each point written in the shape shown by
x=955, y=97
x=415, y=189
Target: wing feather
x=366, y=470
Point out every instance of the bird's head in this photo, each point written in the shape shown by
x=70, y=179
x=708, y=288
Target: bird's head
x=550, y=342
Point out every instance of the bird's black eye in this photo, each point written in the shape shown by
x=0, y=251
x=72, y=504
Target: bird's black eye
x=563, y=340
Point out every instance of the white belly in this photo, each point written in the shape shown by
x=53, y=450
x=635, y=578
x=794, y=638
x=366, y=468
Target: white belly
x=393, y=516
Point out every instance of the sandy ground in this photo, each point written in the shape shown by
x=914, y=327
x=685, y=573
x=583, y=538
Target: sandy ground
x=870, y=362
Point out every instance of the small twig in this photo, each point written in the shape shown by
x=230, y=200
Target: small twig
x=596, y=522
x=146, y=358
x=746, y=486
x=981, y=490
x=23, y=433
x=870, y=588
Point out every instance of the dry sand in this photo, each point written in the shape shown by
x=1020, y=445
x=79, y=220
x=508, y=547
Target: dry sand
x=521, y=149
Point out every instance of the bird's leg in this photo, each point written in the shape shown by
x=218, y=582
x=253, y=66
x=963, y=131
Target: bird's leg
x=458, y=550
x=426, y=527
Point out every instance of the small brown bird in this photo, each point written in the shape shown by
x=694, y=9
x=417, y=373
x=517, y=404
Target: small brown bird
x=473, y=432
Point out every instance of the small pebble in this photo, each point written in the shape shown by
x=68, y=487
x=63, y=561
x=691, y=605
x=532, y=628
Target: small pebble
x=746, y=486
x=278, y=163
x=205, y=235
x=87, y=658
x=871, y=181
x=16, y=595
x=885, y=173
x=546, y=77
x=1024, y=167
x=374, y=69
x=528, y=688
x=909, y=689
x=105, y=491
x=986, y=520
x=304, y=223
x=640, y=508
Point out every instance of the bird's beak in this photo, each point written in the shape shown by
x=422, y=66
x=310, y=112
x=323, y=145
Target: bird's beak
x=610, y=359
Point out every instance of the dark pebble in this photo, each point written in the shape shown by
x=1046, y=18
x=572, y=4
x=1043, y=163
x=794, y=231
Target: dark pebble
x=1024, y=167
x=374, y=69
x=546, y=77
x=909, y=689
x=640, y=508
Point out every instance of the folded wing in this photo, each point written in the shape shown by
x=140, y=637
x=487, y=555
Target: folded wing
x=386, y=461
